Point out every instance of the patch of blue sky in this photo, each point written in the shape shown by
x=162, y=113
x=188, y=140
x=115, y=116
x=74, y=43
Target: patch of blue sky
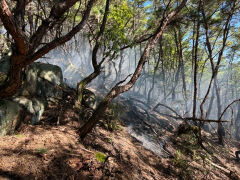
x=147, y=3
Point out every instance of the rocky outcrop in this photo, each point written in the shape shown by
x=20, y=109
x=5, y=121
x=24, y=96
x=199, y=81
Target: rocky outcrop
x=34, y=106
x=42, y=80
x=42, y=83
x=10, y=116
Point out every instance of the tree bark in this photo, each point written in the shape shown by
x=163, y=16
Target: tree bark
x=196, y=65
x=237, y=123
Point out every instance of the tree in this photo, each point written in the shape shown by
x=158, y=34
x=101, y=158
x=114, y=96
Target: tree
x=28, y=47
x=118, y=88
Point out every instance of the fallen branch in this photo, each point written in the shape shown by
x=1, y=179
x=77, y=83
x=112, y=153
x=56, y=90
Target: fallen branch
x=203, y=120
x=178, y=116
x=160, y=104
x=220, y=167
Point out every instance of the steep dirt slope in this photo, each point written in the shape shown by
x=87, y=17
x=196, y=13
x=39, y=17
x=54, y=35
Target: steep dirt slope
x=52, y=150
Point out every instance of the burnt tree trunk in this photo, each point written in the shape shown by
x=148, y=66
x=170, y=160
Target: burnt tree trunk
x=237, y=123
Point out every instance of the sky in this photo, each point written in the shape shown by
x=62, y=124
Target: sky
x=147, y=3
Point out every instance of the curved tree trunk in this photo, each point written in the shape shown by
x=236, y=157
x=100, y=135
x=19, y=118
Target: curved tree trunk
x=97, y=67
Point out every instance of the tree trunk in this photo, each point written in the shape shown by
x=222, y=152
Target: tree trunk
x=97, y=67
x=210, y=104
x=154, y=74
x=237, y=123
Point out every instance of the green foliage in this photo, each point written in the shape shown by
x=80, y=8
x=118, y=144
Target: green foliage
x=186, y=170
x=109, y=140
x=118, y=23
x=179, y=162
x=42, y=150
x=19, y=135
x=100, y=157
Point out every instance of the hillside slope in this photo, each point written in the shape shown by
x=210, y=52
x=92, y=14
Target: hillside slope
x=52, y=150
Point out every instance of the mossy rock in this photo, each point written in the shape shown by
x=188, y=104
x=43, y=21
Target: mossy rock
x=10, y=116
x=89, y=99
x=3, y=77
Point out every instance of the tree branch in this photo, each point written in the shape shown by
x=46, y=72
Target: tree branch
x=12, y=28
x=59, y=41
x=56, y=13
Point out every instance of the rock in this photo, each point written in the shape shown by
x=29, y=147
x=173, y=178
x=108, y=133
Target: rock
x=3, y=77
x=34, y=106
x=42, y=83
x=89, y=99
x=10, y=116
x=43, y=80
x=4, y=68
x=5, y=64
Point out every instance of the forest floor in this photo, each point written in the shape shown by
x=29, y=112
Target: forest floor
x=52, y=150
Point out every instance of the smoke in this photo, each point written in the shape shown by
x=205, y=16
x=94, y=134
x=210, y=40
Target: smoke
x=147, y=142
x=76, y=64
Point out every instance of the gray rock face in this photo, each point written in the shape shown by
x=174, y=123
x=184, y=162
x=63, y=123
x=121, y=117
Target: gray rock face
x=5, y=64
x=42, y=83
x=10, y=116
x=34, y=106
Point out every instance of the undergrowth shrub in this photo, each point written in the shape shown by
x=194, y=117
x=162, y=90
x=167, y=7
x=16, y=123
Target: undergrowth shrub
x=112, y=117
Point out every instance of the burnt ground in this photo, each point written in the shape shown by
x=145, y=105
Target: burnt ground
x=52, y=149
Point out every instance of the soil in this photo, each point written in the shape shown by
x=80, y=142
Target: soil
x=52, y=150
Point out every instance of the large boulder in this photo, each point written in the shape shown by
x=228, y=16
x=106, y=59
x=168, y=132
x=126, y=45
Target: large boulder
x=10, y=116
x=42, y=82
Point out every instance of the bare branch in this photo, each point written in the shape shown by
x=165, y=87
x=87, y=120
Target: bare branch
x=56, y=42
x=56, y=13
x=228, y=106
x=120, y=82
